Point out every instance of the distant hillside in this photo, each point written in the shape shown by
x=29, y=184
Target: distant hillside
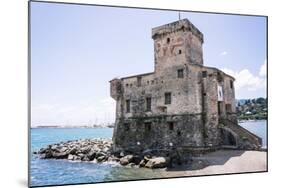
x=252, y=109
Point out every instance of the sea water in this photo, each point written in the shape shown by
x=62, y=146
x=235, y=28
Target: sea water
x=257, y=127
x=58, y=172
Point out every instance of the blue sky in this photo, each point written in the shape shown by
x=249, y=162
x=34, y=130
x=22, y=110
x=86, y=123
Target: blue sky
x=76, y=50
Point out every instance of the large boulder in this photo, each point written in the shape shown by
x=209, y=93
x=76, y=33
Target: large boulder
x=122, y=154
x=80, y=155
x=113, y=159
x=146, y=158
x=43, y=150
x=105, y=149
x=91, y=155
x=136, y=159
x=70, y=157
x=85, y=150
x=126, y=159
x=131, y=165
x=54, y=147
x=62, y=149
x=85, y=158
x=62, y=155
x=98, y=154
x=101, y=158
x=95, y=148
x=76, y=158
x=158, y=162
x=142, y=163
x=47, y=155
x=73, y=151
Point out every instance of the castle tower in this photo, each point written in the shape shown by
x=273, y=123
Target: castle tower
x=181, y=103
x=177, y=43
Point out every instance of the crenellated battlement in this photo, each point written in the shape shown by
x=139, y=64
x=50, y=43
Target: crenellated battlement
x=181, y=25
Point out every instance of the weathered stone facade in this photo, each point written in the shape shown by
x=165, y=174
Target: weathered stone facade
x=181, y=104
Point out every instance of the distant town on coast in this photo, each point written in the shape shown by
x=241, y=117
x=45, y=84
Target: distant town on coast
x=107, y=125
x=251, y=109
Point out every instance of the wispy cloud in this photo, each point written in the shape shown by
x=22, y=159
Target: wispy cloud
x=263, y=69
x=223, y=53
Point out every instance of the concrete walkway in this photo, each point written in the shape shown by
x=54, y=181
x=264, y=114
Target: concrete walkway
x=222, y=162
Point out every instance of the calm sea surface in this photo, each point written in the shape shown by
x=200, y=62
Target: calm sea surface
x=259, y=128
x=57, y=172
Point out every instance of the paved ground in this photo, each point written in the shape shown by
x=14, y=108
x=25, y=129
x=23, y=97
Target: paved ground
x=221, y=162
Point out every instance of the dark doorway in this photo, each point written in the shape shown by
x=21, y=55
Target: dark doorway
x=147, y=126
x=220, y=110
x=228, y=139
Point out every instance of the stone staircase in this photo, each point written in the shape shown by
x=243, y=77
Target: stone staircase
x=245, y=139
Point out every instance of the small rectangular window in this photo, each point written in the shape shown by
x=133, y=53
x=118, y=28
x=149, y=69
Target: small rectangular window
x=139, y=81
x=180, y=73
x=148, y=104
x=126, y=126
x=228, y=108
x=171, y=126
x=231, y=84
x=168, y=40
x=168, y=98
x=204, y=74
x=147, y=126
x=128, y=106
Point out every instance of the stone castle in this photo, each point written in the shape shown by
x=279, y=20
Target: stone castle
x=182, y=104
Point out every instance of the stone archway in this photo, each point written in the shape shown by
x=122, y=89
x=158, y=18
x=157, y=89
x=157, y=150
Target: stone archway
x=228, y=137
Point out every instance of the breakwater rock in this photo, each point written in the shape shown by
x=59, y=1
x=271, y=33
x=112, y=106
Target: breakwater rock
x=100, y=150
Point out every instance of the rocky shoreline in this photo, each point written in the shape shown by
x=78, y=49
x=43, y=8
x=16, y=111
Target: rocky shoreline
x=100, y=151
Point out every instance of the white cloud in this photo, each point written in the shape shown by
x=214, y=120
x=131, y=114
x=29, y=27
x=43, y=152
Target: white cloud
x=81, y=113
x=223, y=53
x=246, y=80
x=263, y=69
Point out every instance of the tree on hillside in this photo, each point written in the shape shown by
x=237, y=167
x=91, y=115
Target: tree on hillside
x=261, y=100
